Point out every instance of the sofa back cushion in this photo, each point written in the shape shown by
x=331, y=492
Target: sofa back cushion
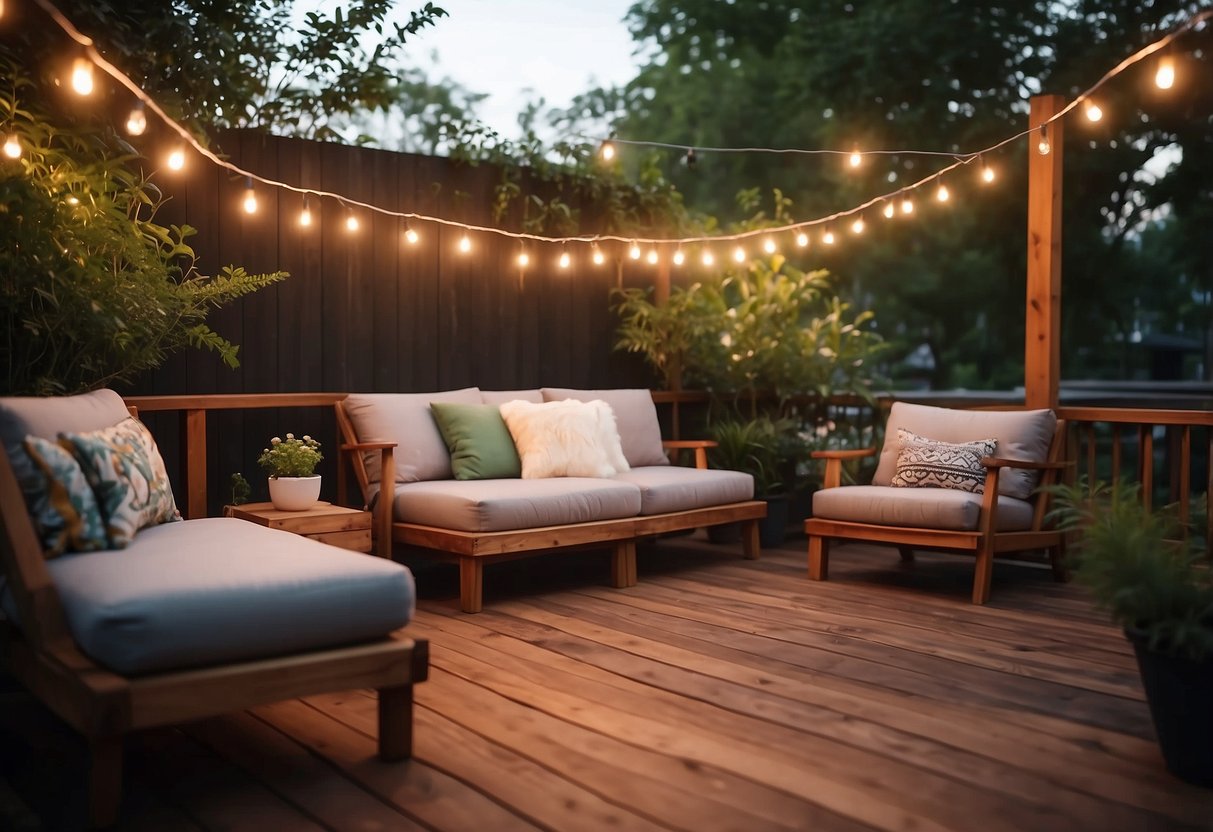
x=503, y=396
x=635, y=417
x=405, y=418
x=1021, y=434
x=21, y=416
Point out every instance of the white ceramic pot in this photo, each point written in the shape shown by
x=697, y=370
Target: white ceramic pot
x=294, y=493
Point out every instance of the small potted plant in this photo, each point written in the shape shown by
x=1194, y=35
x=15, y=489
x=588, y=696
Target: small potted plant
x=754, y=446
x=291, y=463
x=1146, y=568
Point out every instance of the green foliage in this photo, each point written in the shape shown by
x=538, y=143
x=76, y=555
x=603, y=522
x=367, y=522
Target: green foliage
x=240, y=489
x=291, y=457
x=93, y=290
x=759, y=447
x=1140, y=566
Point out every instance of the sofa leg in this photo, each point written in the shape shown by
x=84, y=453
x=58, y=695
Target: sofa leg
x=395, y=723
x=471, y=584
x=104, y=780
x=623, y=564
x=751, y=546
x=819, y=558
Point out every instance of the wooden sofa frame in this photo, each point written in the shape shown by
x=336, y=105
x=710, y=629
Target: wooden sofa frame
x=472, y=550
x=104, y=705
x=985, y=542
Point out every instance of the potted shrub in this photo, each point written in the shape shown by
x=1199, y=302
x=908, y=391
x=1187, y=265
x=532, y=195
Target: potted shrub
x=1145, y=568
x=291, y=463
x=754, y=446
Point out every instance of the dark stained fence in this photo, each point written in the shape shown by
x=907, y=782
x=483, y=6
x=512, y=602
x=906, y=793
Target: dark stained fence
x=366, y=311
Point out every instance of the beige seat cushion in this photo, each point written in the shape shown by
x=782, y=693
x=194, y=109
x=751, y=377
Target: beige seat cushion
x=665, y=488
x=1021, y=434
x=501, y=505
x=635, y=416
x=920, y=508
x=405, y=418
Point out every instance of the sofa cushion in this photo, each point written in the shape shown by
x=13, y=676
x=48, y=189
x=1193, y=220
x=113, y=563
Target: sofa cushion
x=60, y=501
x=920, y=508
x=1021, y=434
x=47, y=417
x=480, y=444
x=502, y=505
x=405, y=418
x=635, y=416
x=219, y=590
x=565, y=438
x=503, y=396
x=665, y=488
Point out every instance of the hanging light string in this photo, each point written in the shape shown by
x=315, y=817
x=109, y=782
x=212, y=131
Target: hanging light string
x=959, y=159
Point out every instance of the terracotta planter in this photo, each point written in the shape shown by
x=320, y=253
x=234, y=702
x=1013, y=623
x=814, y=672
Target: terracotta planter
x=294, y=493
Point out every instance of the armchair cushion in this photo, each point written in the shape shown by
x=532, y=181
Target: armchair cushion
x=1021, y=434
x=920, y=508
x=665, y=488
x=635, y=416
x=405, y=418
x=926, y=463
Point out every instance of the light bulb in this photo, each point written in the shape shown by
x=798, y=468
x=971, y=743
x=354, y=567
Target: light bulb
x=250, y=199
x=907, y=206
x=768, y=245
x=523, y=258
x=12, y=147
x=634, y=252
x=565, y=260
x=411, y=236
x=305, y=216
x=987, y=173
x=856, y=159
x=858, y=226
x=73, y=201
x=82, y=76
x=802, y=239
x=176, y=159
x=598, y=257
x=942, y=194
x=889, y=210
x=1043, y=147
x=607, y=151
x=708, y=258
x=1094, y=113
x=739, y=254
x=828, y=238
x=465, y=244
x=136, y=122
x=1165, y=77
x=652, y=257
x=351, y=222
x=679, y=258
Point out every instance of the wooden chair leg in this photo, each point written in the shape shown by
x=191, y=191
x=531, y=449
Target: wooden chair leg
x=984, y=572
x=104, y=780
x=819, y=558
x=907, y=554
x=471, y=584
x=751, y=545
x=623, y=564
x=396, y=723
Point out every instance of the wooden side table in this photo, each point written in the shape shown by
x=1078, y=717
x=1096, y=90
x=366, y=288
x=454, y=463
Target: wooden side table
x=348, y=528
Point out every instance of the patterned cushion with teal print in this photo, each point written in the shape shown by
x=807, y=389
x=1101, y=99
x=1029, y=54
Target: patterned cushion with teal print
x=60, y=501
x=124, y=468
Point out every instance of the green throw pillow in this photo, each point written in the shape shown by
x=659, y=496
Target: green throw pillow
x=480, y=444
x=59, y=498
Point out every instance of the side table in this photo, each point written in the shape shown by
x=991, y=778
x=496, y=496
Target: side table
x=349, y=528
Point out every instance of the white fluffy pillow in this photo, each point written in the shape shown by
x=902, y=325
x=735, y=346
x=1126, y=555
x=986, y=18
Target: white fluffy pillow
x=565, y=439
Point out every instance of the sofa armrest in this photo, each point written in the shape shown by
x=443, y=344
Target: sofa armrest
x=834, y=460
x=382, y=522
x=699, y=446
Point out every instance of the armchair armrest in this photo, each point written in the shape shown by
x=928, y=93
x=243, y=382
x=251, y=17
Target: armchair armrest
x=699, y=446
x=834, y=460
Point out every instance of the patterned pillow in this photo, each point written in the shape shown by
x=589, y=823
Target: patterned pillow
x=928, y=463
x=127, y=475
x=60, y=501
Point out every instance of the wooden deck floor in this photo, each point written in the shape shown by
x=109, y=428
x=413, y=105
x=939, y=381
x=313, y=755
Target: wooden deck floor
x=719, y=694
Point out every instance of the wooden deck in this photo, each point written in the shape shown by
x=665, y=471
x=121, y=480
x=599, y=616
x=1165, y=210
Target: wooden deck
x=718, y=694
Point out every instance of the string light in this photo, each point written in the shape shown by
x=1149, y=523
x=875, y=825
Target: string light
x=691, y=159
x=465, y=244
x=250, y=197
x=1093, y=111
x=855, y=158
x=1164, y=79
x=651, y=257
x=828, y=238
x=889, y=209
x=410, y=234
x=305, y=216
x=524, y=259
x=768, y=245
x=12, y=147
x=802, y=239
x=942, y=194
x=708, y=258
x=858, y=226
x=351, y=222
x=1043, y=147
x=176, y=159
x=987, y=173
x=598, y=257
x=679, y=258
x=136, y=122
x=82, y=76
x=907, y=206
x=739, y=255
x=607, y=151
x=634, y=251
x=565, y=260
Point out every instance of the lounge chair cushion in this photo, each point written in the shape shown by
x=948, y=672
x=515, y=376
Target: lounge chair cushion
x=921, y=508
x=503, y=396
x=1021, y=434
x=501, y=505
x=665, y=488
x=635, y=416
x=218, y=590
x=405, y=418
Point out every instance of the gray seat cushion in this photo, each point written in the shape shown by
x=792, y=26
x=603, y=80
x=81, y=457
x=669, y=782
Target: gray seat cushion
x=1021, y=434
x=665, y=488
x=218, y=590
x=502, y=505
x=920, y=508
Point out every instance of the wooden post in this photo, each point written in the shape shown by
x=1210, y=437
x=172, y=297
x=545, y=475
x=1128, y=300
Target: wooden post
x=193, y=462
x=1042, y=325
